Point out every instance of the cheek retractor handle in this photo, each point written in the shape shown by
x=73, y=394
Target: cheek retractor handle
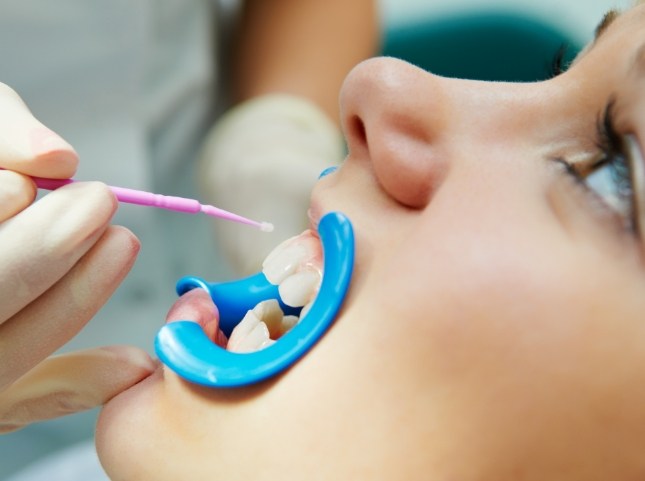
x=233, y=299
x=184, y=347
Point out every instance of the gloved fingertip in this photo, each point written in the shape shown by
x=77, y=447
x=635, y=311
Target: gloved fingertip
x=133, y=356
x=54, y=157
x=17, y=191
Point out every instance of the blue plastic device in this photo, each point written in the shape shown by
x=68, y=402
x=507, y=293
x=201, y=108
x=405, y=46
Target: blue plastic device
x=184, y=347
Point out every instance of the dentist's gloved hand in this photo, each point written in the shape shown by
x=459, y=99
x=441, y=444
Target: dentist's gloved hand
x=59, y=263
x=261, y=160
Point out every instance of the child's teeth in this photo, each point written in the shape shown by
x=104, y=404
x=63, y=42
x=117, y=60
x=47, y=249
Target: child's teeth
x=291, y=256
x=259, y=327
x=249, y=335
x=288, y=322
x=270, y=313
x=306, y=309
x=281, y=264
x=300, y=288
x=295, y=266
x=257, y=339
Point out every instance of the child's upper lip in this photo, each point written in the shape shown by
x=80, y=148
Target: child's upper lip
x=314, y=213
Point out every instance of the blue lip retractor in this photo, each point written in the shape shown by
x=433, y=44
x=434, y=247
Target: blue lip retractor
x=184, y=347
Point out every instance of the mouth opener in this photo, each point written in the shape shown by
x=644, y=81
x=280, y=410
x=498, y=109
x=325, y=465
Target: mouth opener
x=184, y=347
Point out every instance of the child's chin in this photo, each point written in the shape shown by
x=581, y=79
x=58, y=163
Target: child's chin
x=120, y=429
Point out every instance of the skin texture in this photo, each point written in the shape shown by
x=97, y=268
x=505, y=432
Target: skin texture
x=494, y=326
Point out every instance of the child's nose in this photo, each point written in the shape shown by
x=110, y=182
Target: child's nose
x=412, y=126
x=387, y=118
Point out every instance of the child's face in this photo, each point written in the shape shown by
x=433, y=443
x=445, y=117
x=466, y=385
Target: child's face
x=495, y=327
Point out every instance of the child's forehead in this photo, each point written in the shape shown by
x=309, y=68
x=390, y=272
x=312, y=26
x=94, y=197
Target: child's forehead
x=629, y=31
x=639, y=60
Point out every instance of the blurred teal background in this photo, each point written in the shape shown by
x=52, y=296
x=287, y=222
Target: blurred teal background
x=512, y=40
x=488, y=45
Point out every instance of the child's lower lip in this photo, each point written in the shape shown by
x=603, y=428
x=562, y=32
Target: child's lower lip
x=196, y=305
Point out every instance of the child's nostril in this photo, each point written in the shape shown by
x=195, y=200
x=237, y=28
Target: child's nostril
x=357, y=129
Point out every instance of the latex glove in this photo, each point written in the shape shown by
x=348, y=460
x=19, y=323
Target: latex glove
x=59, y=263
x=261, y=160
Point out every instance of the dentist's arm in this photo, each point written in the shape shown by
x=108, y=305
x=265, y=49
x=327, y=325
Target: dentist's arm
x=264, y=155
x=59, y=262
x=303, y=47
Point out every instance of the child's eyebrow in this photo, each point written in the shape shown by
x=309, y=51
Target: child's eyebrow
x=606, y=21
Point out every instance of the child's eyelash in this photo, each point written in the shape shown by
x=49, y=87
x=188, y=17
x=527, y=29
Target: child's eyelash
x=607, y=181
x=612, y=169
x=558, y=62
x=611, y=143
x=609, y=140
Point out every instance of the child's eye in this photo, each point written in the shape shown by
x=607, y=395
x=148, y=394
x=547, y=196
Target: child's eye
x=618, y=177
x=610, y=178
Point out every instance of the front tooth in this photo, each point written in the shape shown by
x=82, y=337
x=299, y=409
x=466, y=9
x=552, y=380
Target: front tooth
x=300, y=288
x=249, y=335
x=306, y=309
x=270, y=313
x=257, y=339
x=288, y=322
x=293, y=253
x=283, y=262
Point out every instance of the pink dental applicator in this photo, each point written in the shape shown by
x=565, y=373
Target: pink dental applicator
x=179, y=204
